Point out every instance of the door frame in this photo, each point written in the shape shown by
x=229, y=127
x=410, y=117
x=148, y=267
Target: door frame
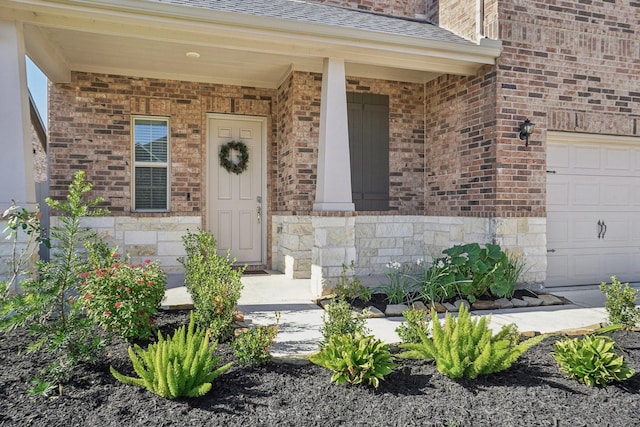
x=211, y=117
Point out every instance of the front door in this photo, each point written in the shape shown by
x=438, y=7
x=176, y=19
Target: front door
x=235, y=200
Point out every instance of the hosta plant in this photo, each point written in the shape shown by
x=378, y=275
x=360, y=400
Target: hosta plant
x=466, y=347
x=591, y=360
x=182, y=365
x=355, y=359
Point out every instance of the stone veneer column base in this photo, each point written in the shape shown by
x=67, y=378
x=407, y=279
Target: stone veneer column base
x=317, y=246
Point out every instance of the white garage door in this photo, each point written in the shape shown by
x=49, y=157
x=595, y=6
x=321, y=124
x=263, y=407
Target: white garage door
x=593, y=209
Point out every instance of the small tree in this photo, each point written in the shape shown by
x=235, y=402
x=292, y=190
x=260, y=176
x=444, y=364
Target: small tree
x=45, y=304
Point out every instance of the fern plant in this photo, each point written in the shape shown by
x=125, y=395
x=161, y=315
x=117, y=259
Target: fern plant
x=468, y=348
x=591, y=360
x=355, y=359
x=183, y=365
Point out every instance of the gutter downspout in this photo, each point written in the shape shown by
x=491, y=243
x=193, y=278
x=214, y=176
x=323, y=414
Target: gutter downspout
x=479, y=20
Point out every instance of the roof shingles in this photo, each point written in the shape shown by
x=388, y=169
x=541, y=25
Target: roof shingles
x=301, y=11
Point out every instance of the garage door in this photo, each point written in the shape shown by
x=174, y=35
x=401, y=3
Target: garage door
x=593, y=209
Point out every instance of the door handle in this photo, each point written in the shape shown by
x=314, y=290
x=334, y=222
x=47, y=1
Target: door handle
x=604, y=229
x=600, y=223
x=259, y=212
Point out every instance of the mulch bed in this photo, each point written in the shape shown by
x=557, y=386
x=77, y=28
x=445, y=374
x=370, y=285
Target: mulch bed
x=379, y=300
x=531, y=393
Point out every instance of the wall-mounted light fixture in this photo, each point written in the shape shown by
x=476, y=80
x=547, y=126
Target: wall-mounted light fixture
x=526, y=129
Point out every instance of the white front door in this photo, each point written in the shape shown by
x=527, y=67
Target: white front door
x=235, y=213
x=593, y=209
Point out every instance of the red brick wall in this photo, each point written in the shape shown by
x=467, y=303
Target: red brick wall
x=458, y=16
x=90, y=130
x=405, y=8
x=460, y=145
x=568, y=66
x=299, y=115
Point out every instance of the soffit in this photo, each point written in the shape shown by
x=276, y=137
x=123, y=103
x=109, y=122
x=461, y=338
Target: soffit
x=151, y=38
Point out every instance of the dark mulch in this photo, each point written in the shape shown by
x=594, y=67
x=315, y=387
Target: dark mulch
x=379, y=300
x=531, y=393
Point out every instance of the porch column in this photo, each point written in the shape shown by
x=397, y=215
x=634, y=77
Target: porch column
x=16, y=161
x=333, y=188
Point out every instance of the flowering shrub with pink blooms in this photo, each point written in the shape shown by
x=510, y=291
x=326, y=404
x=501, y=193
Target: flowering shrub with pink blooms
x=124, y=297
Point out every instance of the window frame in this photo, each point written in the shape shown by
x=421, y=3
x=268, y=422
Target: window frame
x=136, y=164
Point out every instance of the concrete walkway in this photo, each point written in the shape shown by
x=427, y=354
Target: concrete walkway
x=301, y=318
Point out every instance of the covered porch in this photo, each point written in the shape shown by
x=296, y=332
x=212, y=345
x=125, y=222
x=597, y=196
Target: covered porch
x=216, y=45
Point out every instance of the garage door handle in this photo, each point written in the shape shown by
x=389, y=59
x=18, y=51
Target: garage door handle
x=604, y=229
x=600, y=224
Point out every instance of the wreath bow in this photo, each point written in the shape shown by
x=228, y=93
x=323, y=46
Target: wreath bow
x=229, y=164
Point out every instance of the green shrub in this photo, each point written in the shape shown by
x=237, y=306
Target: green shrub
x=213, y=282
x=468, y=348
x=355, y=359
x=124, y=297
x=183, y=365
x=621, y=303
x=47, y=305
x=591, y=360
x=252, y=346
x=339, y=319
x=415, y=319
x=349, y=288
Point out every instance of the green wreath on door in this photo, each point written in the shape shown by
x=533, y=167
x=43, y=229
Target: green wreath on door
x=227, y=163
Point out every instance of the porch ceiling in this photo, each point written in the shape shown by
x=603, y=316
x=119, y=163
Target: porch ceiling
x=150, y=39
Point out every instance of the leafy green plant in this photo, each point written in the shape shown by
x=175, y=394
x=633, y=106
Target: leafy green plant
x=124, y=297
x=350, y=287
x=481, y=270
x=415, y=319
x=468, y=348
x=438, y=282
x=183, y=365
x=252, y=346
x=355, y=359
x=397, y=289
x=46, y=305
x=212, y=281
x=591, y=360
x=21, y=222
x=339, y=319
x=621, y=303
x=513, y=270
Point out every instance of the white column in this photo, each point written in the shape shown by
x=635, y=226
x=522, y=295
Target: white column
x=16, y=153
x=333, y=188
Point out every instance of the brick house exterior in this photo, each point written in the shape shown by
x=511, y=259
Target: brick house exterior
x=460, y=77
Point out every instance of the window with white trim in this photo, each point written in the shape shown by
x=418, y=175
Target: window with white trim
x=150, y=164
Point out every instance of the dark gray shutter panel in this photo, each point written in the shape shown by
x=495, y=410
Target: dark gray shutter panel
x=368, y=116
